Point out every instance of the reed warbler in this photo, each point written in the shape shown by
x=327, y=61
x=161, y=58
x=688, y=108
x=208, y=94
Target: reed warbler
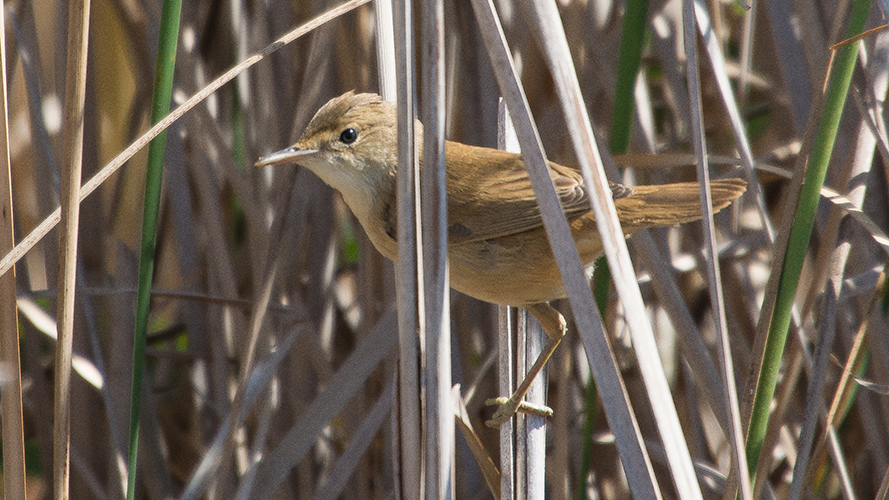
x=497, y=247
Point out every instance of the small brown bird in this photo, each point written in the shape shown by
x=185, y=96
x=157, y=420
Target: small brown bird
x=497, y=247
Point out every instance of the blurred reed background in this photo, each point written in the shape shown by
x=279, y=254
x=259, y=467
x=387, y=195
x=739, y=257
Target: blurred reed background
x=324, y=357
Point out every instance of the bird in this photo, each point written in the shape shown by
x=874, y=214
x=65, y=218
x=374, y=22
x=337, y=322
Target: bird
x=498, y=250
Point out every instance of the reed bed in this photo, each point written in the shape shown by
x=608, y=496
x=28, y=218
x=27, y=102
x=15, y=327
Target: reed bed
x=272, y=365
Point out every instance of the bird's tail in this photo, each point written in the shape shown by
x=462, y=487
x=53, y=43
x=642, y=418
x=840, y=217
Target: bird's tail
x=671, y=204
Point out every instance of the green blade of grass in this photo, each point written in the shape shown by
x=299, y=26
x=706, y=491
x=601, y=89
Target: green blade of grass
x=166, y=62
x=801, y=231
x=629, y=58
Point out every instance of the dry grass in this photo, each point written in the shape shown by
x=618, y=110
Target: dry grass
x=270, y=266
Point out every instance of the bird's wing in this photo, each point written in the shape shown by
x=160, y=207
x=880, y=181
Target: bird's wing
x=494, y=198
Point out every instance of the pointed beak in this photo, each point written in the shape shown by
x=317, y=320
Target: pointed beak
x=288, y=155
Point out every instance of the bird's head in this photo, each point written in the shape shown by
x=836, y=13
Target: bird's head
x=351, y=142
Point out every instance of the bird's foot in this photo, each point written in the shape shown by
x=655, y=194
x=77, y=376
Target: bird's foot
x=507, y=407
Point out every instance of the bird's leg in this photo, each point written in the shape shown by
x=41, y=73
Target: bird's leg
x=554, y=325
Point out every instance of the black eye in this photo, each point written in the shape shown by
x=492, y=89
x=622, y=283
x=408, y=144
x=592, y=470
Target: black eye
x=349, y=136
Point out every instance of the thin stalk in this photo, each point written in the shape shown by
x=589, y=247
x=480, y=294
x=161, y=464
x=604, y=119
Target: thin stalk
x=166, y=62
x=629, y=58
x=11, y=402
x=439, y=414
x=409, y=289
x=589, y=424
x=800, y=233
x=628, y=62
x=75, y=99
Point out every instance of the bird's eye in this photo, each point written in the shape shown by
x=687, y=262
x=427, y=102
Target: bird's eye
x=348, y=136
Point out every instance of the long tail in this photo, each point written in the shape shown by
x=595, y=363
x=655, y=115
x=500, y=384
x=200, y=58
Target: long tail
x=671, y=204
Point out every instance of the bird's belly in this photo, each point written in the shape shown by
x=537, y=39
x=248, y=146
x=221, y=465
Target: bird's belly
x=515, y=270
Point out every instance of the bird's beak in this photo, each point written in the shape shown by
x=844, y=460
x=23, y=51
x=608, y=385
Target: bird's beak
x=289, y=155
